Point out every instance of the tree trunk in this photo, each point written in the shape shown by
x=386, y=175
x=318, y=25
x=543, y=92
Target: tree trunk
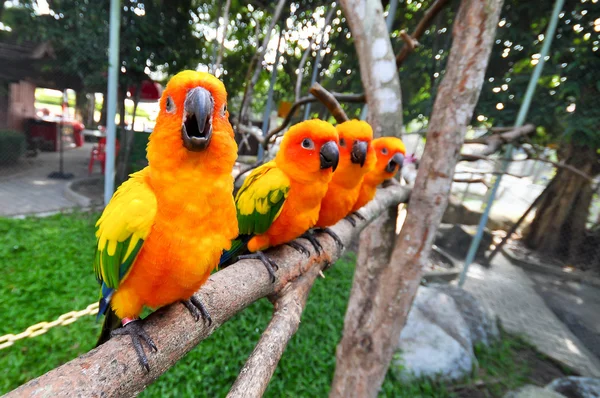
x=377, y=65
x=104, y=109
x=560, y=220
x=81, y=106
x=383, y=291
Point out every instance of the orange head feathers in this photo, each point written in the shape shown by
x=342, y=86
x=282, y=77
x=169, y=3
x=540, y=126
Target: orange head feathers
x=193, y=125
x=309, y=151
x=390, y=153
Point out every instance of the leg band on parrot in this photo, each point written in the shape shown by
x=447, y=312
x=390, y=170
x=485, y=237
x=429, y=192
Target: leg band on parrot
x=299, y=247
x=309, y=236
x=269, y=264
x=197, y=309
x=133, y=328
x=335, y=237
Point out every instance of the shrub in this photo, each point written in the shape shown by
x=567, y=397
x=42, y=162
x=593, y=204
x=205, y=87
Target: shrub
x=12, y=146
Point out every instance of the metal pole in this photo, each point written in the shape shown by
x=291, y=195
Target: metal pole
x=389, y=20
x=111, y=101
x=535, y=76
x=267, y=114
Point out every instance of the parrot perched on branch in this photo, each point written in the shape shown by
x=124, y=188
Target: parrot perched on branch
x=390, y=153
x=357, y=158
x=165, y=228
x=280, y=200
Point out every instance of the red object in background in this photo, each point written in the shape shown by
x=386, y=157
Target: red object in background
x=99, y=154
x=150, y=91
x=46, y=134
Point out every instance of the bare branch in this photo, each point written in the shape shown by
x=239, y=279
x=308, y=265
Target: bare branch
x=494, y=142
x=560, y=165
x=471, y=181
x=329, y=101
x=419, y=30
x=259, y=368
x=112, y=369
x=222, y=44
x=409, y=40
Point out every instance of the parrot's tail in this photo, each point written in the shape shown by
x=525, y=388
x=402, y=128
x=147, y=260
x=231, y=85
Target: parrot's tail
x=237, y=247
x=111, y=322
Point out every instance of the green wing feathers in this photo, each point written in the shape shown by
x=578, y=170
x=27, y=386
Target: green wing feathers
x=260, y=200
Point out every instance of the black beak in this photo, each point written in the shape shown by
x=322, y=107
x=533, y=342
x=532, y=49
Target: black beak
x=196, y=129
x=359, y=152
x=330, y=155
x=396, y=160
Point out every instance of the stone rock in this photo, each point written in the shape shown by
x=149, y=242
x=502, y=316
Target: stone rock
x=456, y=240
x=436, y=342
x=482, y=322
x=576, y=387
x=531, y=391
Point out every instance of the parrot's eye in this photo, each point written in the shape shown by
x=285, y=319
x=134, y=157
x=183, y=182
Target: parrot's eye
x=307, y=143
x=342, y=142
x=170, y=105
x=224, y=111
x=384, y=151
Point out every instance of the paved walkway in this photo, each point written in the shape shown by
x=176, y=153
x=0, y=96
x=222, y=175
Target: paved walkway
x=27, y=189
x=511, y=294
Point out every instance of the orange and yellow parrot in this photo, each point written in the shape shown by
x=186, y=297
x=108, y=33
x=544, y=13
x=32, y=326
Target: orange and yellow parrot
x=165, y=228
x=280, y=200
x=390, y=153
x=357, y=158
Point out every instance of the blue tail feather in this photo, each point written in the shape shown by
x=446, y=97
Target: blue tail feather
x=237, y=247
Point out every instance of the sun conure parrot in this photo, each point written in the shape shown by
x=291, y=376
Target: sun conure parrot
x=280, y=200
x=390, y=153
x=165, y=228
x=357, y=158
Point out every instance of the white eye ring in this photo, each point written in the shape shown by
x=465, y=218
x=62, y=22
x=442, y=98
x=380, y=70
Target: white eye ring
x=307, y=143
x=170, y=105
x=384, y=151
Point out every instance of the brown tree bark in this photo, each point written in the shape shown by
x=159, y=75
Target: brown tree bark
x=377, y=62
x=383, y=290
x=559, y=224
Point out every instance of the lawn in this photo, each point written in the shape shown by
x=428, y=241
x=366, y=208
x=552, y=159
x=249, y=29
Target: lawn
x=47, y=271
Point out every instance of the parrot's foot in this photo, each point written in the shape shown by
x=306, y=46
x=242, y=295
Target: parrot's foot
x=137, y=333
x=197, y=309
x=350, y=219
x=359, y=215
x=309, y=236
x=269, y=264
x=335, y=237
x=299, y=247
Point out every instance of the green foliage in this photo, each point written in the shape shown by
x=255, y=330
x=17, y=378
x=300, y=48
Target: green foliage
x=566, y=103
x=12, y=146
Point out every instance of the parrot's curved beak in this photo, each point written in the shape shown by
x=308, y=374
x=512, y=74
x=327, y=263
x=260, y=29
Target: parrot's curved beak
x=196, y=129
x=396, y=160
x=359, y=152
x=330, y=155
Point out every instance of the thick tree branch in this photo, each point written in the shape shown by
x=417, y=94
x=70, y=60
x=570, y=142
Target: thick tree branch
x=419, y=30
x=329, y=101
x=259, y=368
x=112, y=369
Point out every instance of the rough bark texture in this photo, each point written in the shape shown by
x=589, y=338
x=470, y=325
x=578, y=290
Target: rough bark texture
x=112, y=370
x=377, y=61
x=259, y=368
x=332, y=104
x=377, y=314
x=559, y=224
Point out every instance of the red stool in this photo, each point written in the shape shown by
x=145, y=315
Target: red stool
x=99, y=154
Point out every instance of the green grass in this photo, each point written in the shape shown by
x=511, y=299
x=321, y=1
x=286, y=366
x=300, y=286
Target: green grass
x=47, y=271
x=45, y=99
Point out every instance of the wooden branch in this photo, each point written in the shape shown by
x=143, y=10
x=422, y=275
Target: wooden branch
x=419, y=30
x=222, y=43
x=254, y=377
x=354, y=98
x=330, y=102
x=409, y=40
x=113, y=370
x=471, y=181
x=494, y=142
x=559, y=165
